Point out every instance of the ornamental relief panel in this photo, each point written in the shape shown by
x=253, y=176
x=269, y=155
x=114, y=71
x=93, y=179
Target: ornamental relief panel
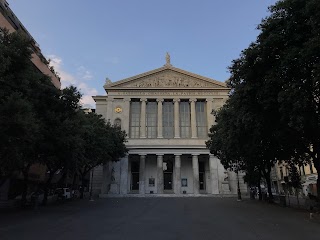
x=169, y=80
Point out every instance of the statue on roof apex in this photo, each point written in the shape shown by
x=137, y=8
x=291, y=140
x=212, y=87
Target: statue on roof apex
x=108, y=81
x=168, y=59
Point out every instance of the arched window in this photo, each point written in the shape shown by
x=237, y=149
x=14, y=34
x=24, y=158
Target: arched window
x=117, y=122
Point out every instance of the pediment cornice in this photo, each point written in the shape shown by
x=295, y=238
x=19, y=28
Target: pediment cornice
x=164, y=78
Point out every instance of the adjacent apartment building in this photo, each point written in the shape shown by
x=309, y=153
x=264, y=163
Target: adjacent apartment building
x=308, y=175
x=10, y=21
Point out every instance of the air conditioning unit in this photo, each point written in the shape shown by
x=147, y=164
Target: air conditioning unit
x=184, y=192
x=151, y=192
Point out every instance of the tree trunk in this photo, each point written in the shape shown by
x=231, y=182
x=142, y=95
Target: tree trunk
x=260, y=193
x=25, y=188
x=297, y=194
x=268, y=180
x=4, y=179
x=82, y=186
x=46, y=188
x=61, y=182
x=74, y=181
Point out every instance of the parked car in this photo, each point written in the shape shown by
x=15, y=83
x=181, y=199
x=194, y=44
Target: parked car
x=63, y=193
x=75, y=194
x=33, y=195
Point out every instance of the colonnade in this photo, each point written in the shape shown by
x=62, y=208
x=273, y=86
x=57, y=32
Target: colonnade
x=213, y=171
x=176, y=102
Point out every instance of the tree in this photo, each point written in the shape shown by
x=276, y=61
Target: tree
x=61, y=144
x=19, y=124
x=102, y=143
x=275, y=88
x=295, y=25
x=295, y=179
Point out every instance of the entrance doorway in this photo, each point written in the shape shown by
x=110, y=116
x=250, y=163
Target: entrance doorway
x=135, y=175
x=202, y=176
x=167, y=174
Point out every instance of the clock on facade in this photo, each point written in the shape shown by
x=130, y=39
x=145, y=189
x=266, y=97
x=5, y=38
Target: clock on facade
x=118, y=109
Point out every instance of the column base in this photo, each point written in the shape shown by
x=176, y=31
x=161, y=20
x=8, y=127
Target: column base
x=159, y=137
x=176, y=137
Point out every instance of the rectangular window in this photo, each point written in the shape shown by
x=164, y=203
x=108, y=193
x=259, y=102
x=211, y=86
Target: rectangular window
x=151, y=119
x=168, y=119
x=201, y=115
x=135, y=119
x=185, y=123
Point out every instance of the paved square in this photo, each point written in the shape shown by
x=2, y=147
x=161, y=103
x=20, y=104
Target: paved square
x=160, y=218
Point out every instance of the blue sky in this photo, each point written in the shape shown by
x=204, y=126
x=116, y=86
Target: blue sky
x=91, y=40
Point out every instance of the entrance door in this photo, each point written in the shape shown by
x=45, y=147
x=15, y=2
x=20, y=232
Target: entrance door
x=135, y=175
x=134, y=181
x=202, y=180
x=202, y=176
x=167, y=181
x=167, y=173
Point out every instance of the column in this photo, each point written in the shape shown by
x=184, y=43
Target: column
x=160, y=101
x=195, y=167
x=142, y=175
x=143, y=118
x=193, y=118
x=159, y=174
x=177, y=176
x=210, y=116
x=213, y=167
x=176, y=118
x=124, y=172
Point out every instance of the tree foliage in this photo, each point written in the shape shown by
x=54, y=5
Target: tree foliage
x=273, y=109
x=42, y=124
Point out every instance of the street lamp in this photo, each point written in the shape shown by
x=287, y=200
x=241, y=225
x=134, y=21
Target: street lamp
x=91, y=197
x=236, y=168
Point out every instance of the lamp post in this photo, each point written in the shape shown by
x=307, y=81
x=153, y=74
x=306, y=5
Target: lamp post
x=91, y=197
x=236, y=168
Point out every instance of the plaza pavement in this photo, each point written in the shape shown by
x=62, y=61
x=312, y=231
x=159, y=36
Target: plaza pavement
x=160, y=218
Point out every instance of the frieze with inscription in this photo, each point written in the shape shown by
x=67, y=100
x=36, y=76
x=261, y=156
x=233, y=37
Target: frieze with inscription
x=151, y=93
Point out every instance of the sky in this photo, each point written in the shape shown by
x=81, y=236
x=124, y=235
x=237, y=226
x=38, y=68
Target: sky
x=89, y=41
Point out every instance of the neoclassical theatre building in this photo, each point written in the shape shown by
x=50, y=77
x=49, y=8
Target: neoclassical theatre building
x=167, y=113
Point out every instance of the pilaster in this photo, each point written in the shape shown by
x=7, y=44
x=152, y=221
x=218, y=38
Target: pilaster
x=124, y=172
x=213, y=166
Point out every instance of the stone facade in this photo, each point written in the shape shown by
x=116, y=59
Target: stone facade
x=164, y=112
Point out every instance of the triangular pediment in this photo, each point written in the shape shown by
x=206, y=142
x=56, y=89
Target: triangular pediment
x=166, y=77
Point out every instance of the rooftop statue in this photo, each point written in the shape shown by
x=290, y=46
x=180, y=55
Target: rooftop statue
x=168, y=59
